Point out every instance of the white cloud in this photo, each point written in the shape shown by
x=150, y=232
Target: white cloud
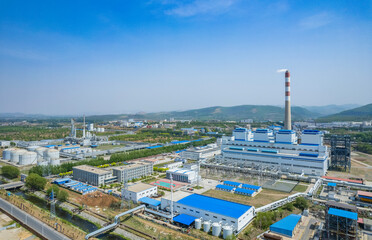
x=196, y=7
x=317, y=20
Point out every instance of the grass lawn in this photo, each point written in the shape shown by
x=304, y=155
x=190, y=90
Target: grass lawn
x=299, y=188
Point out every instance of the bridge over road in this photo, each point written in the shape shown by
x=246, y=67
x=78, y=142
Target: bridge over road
x=12, y=185
x=39, y=227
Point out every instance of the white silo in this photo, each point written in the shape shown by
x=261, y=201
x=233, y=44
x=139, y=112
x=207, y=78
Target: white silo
x=40, y=153
x=32, y=148
x=51, y=154
x=14, y=155
x=90, y=127
x=55, y=162
x=42, y=163
x=7, y=153
x=216, y=229
x=207, y=226
x=27, y=158
x=227, y=231
x=198, y=223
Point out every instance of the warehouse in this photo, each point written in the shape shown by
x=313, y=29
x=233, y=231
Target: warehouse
x=232, y=184
x=252, y=187
x=224, y=188
x=245, y=192
x=216, y=210
x=287, y=226
x=140, y=190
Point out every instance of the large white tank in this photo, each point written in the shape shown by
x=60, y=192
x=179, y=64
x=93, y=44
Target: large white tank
x=227, y=231
x=207, y=226
x=40, y=153
x=51, y=154
x=55, y=162
x=216, y=229
x=42, y=163
x=32, y=148
x=14, y=155
x=7, y=153
x=198, y=223
x=27, y=158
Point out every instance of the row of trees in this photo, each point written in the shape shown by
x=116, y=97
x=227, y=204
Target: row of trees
x=10, y=172
x=119, y=157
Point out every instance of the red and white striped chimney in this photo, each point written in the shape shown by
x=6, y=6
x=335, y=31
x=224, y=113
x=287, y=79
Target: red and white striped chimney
x=287, y=118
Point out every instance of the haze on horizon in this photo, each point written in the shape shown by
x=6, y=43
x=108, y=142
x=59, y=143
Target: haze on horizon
x=160, y=55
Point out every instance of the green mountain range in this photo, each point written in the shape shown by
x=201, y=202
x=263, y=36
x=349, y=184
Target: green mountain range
x=363, y=113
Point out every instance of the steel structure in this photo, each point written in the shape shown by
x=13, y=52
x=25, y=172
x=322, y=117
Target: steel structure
x=340, y=152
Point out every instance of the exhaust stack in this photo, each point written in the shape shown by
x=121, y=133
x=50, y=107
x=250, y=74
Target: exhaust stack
x=287, y=118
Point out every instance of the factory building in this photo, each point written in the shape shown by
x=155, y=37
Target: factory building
x=92, y=175
x=132, y=171
x=287, y=226
x=341, y=224
x=277, y=149
x=140, y=190
x=214, y=210
x=182, y=175
x=200, y=153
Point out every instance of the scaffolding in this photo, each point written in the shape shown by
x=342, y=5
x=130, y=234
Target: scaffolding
x=341, y=228
x=340, y=152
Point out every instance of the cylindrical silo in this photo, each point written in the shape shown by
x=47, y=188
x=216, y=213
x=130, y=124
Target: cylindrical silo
x=40, y=153
x=51, y=154
x=55, y=162
x=227, y=231
x=14, y=156
x=27, y=158
x=216, y=229
x=32, y=148
x=7, y=153
x=207, y=226
x=198, y=223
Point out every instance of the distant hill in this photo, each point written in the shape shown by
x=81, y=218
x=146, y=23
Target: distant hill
x=255, y=112
x=357, y=114
x=330, y=109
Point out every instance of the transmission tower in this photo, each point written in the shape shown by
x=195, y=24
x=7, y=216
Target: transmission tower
x=52, y=206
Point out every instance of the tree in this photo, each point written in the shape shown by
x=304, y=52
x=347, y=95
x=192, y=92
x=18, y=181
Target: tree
x=289, y=207
x=35, y=182
x=62, y=196
x=301, y=203
x=10, y=172
x=55, y=189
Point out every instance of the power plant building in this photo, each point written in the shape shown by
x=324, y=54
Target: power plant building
x=280, y=150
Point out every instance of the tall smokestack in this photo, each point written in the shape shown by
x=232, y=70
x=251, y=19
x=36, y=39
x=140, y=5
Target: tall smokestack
x=287, y=119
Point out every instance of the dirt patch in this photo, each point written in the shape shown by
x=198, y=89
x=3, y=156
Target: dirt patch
x=97, y=199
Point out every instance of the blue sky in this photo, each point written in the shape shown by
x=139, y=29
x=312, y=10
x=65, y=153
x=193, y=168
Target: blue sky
x=75, y=57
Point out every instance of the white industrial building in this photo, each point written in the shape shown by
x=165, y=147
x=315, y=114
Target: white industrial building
x=277, y=149
x=140, y=190
x=133, y=170
x=211, y=211
x=173, y=165
x=92, y=175
x=200, y=153
x=4, y=143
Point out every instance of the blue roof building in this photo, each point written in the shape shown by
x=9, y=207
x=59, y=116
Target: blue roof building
x=246, y=192
x=252, y=187
x=231, y=183
x=224, y=188
x=286, y=226
x=216, y=210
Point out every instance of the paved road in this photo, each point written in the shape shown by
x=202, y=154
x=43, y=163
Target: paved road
x=12, y=185
x=35, y=224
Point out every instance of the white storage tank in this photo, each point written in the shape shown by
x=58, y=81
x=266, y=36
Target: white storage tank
x=216, y=229
x=55, y=162
x=51, y=154
x=198, y=223
x=207, y=226
x=40, y=153
x=14, y=155
x=42, y=163
x=227, y=231
x=7, y=153
x=32, y=148
x=27, y=158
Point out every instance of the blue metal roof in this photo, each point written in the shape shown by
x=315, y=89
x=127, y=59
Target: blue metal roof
x=179, y=151
x=178, y=142
x=150, y=201
x=62, y=180
x=236, y=148
x=286, y=225
x=331, y=184
x=152, y=147
x=232, y=183
x=247, y=191
x=252, y=149
x=283, y=131
x=343, y=213
x=251, y=186
x=311, y=132
x=225, y=187
x=269, y=151
x=184, y=219
x=219, y=206
x=71, y=148
x=308, y=155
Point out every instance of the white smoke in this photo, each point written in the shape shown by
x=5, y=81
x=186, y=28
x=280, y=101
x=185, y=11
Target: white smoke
x=282, y=70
